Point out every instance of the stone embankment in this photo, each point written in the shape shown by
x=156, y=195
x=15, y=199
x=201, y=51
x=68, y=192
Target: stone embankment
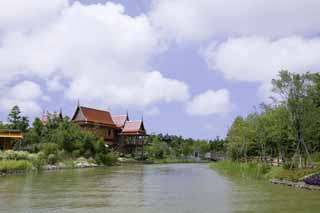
x=301, y=185
x=59, y=166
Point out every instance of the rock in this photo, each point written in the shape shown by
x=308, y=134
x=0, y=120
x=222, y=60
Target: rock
x=300, y=185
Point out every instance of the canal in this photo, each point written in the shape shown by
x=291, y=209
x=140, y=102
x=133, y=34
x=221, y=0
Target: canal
x=171, y=188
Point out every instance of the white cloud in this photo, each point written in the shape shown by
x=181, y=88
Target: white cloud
x=258, y=59
x=203, y=19
x=17, y=14
x=95, y=53
x=24, y=94
x=210, y=102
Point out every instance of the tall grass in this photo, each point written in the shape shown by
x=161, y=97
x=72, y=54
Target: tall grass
x=246, y=170
x=260, y=171
x=16, y=158
x=11, y=166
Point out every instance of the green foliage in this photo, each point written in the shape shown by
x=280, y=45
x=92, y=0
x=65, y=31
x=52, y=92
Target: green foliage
x=10, y=166
x=49, y=148
x=246, y=170
x=107, y=159
x=52, y=159
x=176, y=148
x=17, y=121
x=286, y=129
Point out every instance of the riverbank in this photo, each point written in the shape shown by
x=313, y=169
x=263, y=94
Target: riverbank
x=276, y=175
x=21, y=162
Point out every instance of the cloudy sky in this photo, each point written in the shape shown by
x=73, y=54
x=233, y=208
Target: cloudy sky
x=188, y=66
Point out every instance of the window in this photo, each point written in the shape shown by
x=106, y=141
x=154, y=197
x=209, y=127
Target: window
x=109, y=132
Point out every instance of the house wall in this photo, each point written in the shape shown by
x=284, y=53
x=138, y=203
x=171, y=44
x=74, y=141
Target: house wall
x=107, y=133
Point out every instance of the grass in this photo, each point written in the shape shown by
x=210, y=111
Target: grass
x=245, y=170
x=11, y=166
x=260, y=171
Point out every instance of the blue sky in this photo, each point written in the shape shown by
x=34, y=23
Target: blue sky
x=190, y=67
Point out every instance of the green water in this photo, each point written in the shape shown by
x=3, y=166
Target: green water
x=149, y=188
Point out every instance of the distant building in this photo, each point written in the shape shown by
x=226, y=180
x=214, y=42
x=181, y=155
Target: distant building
x=118, y=132
x=8, y=138
x=46, y=115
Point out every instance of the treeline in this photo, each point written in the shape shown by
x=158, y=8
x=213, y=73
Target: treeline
x=176, y=147
x=287, y=130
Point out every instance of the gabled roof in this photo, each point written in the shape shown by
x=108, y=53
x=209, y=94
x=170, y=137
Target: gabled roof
x=134, y=127
x=94, y=116
x=120, y=120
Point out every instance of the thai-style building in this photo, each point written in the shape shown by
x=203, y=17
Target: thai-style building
x=46, y=115
x=8, y=138
x=118, y=132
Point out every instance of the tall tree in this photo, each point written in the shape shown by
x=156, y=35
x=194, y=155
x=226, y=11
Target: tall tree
x=17, y=121
x=293, y=90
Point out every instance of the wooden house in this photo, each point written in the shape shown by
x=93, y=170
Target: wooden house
x=118, y=131
x=8, y=138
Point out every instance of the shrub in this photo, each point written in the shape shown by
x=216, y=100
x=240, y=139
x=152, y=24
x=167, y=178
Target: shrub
x=76, y=153
x=9, y=166
x=106, y=159
x=52, y=159
x=49, y=148
x=14, y=155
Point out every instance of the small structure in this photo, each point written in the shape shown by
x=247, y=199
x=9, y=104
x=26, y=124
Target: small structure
x=46, y=115
x=8, y=138
x=118, y=132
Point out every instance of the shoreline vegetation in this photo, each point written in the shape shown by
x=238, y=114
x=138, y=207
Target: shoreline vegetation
x=279, y=141
x=274, y=174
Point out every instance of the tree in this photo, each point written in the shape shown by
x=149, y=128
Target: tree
x=293, y=90
x=17, y=121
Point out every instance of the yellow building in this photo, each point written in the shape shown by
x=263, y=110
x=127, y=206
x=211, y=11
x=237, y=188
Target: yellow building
x=8, y=138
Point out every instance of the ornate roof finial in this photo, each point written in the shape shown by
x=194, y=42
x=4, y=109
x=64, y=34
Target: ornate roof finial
x=60, y=113
x=127, y=114
x=142, y=117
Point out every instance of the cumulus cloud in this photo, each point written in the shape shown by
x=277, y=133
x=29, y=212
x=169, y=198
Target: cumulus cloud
x=24, y=15
x=210, y=102
x=95, y=53
x=204, y=19
x=259, y=59
x=24, y=94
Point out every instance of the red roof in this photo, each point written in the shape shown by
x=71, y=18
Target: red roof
x=95, y=116
x=120, y=120
x=136, y=127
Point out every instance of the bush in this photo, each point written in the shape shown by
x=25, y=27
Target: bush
x=76, y=153
x=52, y=159
x=9, y=166
x=14, y=155
x=108, y=159
x=49, y=148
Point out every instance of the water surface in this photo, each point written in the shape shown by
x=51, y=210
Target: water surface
x=149, y=188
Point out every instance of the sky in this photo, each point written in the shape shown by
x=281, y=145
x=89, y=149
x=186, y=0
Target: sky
x=187, y=67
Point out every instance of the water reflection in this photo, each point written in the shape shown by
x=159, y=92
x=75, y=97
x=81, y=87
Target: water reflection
x=148, y=188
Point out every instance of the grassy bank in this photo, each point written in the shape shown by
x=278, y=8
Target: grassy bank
x=16, y=162
x=15, y=166
x=260, y=171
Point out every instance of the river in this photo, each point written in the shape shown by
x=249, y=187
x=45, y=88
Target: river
x=171, y=188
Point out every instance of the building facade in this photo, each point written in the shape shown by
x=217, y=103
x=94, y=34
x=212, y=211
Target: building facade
x=118, y=131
